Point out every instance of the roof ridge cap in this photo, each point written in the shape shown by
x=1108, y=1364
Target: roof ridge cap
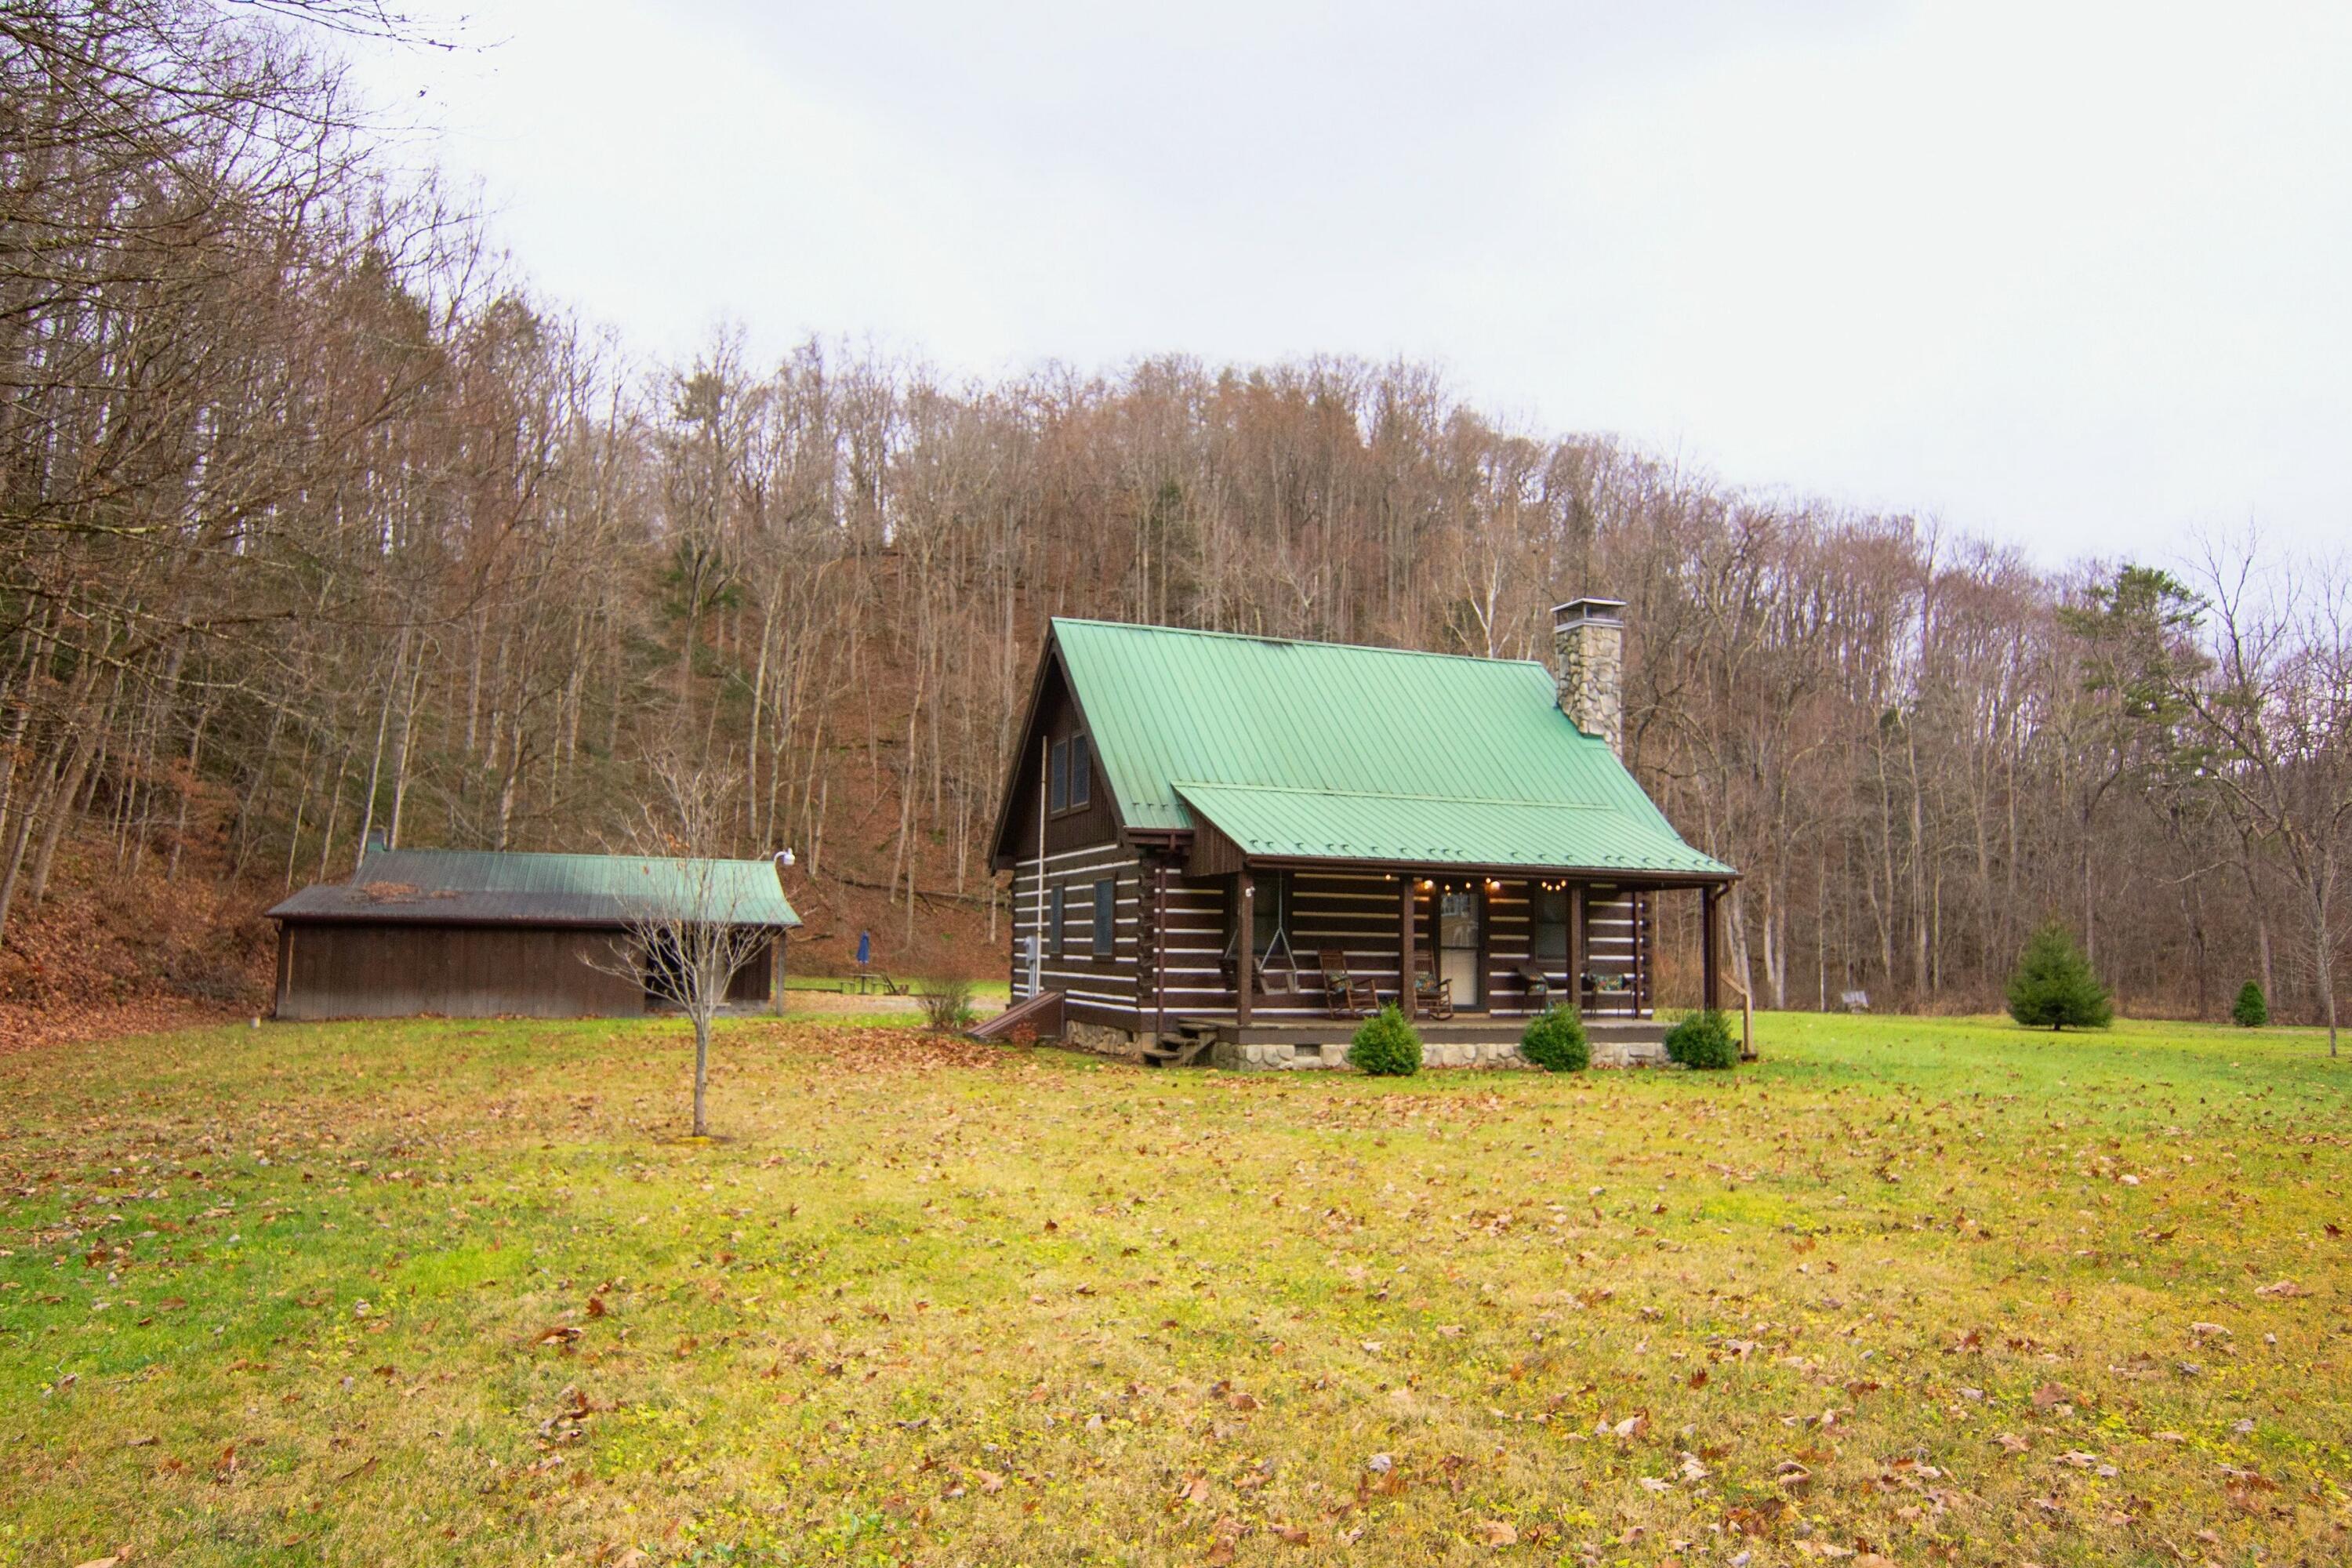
x=1290, y=642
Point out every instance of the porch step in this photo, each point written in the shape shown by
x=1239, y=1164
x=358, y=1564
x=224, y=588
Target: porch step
x=1191, y=1042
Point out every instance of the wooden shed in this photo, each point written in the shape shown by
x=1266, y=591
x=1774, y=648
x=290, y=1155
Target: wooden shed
x=474, y=935
x=1241, y=843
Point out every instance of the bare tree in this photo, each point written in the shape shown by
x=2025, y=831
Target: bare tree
x=2278, y=712
x=699, y=919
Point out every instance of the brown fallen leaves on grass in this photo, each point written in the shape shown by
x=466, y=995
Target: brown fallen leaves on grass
x=41, y=1025
x=951, y=1301
x=866, y=1049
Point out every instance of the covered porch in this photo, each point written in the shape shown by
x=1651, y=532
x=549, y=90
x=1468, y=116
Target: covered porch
x=1468, y=953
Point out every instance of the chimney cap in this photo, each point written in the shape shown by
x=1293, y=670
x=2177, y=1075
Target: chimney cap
x=1592, y=607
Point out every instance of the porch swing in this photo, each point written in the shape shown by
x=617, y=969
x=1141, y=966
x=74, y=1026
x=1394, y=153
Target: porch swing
x=1263, y=964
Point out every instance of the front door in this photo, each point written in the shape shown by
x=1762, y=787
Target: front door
x=1461, y=933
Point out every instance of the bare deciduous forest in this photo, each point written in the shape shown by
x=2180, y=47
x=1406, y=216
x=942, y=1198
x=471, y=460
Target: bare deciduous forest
x=319, y=521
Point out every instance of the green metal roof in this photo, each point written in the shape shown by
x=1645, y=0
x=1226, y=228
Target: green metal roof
x=484, y=887
x=1303, y=749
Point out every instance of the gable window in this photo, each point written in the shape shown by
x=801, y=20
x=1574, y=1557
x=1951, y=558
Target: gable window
x=1058, y=795
x=1082, y=772
x=1547, y=925
x=1106, y=909
x=1061, y=921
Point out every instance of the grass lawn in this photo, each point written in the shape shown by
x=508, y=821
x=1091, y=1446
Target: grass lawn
x=1929, y=1291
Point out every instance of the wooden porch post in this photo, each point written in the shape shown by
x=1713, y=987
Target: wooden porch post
x=1245, y=944
x=1710, y=916
x=1575, y=947
x=1407, y=1003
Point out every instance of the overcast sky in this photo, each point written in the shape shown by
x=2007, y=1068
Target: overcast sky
x=2070, y=276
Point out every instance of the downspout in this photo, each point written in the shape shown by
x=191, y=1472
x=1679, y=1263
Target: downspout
x=1037, y=933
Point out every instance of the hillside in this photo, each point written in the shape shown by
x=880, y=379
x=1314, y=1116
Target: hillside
x=367, y=534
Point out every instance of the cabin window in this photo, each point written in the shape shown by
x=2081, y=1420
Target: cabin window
x=1081, y=771
x=1058, y=795
x=1061, y=921
x=1106, y=910
x=1547, y=925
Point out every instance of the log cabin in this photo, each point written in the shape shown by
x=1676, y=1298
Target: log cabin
x=1231, y=847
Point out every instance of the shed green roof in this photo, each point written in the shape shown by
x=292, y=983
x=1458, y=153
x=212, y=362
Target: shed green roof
x=484, y=887
x=1314, y=751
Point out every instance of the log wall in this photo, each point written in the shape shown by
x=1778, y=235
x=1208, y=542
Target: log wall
x=1096, y=990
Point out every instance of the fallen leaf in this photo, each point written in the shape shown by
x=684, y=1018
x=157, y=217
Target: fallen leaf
x=1497, y=1532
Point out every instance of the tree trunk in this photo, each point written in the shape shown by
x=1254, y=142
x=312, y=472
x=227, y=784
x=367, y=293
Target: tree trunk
x=701, y=1068
x=61, y=807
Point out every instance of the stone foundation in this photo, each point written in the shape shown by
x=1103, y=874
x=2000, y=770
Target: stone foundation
x=1102, y=1040
x=1284, y=1057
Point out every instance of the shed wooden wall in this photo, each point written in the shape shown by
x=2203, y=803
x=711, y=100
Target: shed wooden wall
x=392, y=971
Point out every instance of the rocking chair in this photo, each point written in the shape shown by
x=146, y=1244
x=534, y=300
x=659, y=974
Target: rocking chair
x=1344, y=996
x=1433, y=997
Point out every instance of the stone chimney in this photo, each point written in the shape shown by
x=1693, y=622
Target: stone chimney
x=1589, y=634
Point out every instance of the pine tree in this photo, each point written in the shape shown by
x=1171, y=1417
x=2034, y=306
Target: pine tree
x=2252, y=1011
x=2054, y=986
